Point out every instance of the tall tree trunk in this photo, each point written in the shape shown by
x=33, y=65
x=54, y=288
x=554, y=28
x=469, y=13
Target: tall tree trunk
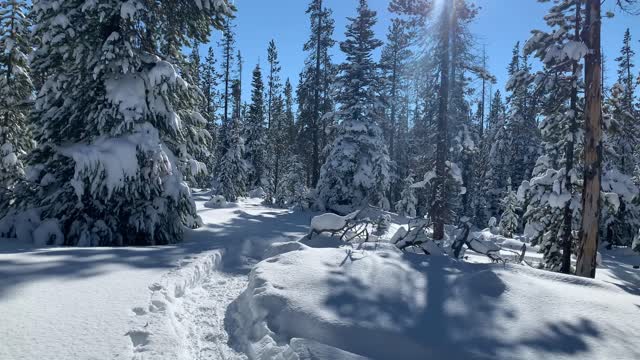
x=566, y=241
x=586, y=265
x=227, y=74
x=439, y=208
x=316, y=103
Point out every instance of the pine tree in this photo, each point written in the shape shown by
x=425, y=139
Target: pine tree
x=509, y=221
x=314, y=92
x=626, y=76
x=274, y=83
x=210, y=80
x=108, y=171
x=16, y=89
x=255, y=133
x=553, y=197
x=277, y=133
x=522, y=119
x=356, y=172
x=394, y=65
x=408, y=202
x=496, y=146
x=227, y=44
x=230, y=172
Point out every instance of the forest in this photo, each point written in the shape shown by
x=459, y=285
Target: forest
x=123, y=127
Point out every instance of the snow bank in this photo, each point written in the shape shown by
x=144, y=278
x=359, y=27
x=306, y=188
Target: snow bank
x=380, y=303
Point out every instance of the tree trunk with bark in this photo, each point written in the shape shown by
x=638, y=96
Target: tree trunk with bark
x=586, y=265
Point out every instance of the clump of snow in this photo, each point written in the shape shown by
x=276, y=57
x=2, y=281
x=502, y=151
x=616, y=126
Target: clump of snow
x=330, y=222
x=116, y=158
x=216, y=202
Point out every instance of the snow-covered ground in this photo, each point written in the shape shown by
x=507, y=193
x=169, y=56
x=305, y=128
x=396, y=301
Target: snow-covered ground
x=304, y=300
x=94, y=303
x=377, y=302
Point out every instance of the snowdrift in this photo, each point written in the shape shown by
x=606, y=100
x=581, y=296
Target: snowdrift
x=374, y=301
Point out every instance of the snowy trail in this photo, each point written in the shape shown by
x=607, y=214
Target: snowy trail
x=187, y=308
x=204, y=312
x=82, y=303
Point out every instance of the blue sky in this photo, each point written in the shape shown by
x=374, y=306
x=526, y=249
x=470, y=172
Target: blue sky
x=499, y=25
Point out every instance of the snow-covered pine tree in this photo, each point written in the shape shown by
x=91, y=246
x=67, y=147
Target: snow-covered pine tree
x=356, y=172
x=278, y=148
x=255, y=133
x=314, y=92
x=196, y=152
x=394, y=62
x=293, y=191
x=16, y=95
x=509, y=221
x=553, y=195
x=209, y=82
x=408, y=202
x=230, y=174
x=227, y=44
x=626, y=75
x=524, y=136
x=105, y=169
x=496, y=147
x=621, y=221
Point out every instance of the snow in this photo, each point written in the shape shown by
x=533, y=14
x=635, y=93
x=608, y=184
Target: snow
x=330, y=222
x=92, y=303
x=320, y=300
x=377, y=302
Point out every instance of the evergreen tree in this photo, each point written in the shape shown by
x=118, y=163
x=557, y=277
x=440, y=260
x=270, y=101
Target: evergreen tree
x=107, y=165
x=496, y=146
x=227, y=43
x=522, y=120
x=314, y=92
x=553, y=196
x=255, y=133
x=16, y=90
x=509, y=221
x=210, y=80
x=620, y=222
x=356, y=172
x=278, y=130
x=274, y=83
x=230, y=172
x=408, y=202
x=394, y=65
x=626, y=76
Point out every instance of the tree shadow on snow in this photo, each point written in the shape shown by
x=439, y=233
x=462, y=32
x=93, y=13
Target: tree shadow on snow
x=450, y=317
x=241, y=235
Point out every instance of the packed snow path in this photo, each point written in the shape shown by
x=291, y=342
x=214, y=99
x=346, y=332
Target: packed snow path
x=80, y=303
x=204, y=312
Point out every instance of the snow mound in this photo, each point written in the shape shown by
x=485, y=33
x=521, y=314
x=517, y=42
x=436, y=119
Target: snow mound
x=218, y=202
x=330, y=222
x=157, y=331
x=377, y=302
